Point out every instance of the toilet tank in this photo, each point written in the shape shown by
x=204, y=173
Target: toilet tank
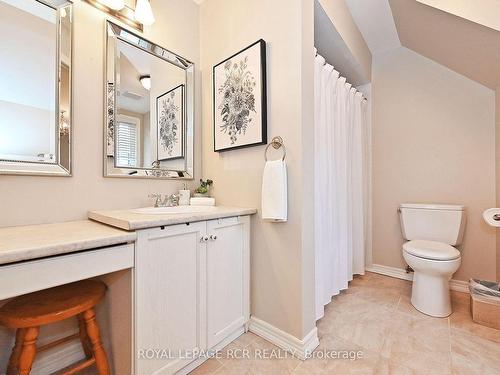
x=433, y=222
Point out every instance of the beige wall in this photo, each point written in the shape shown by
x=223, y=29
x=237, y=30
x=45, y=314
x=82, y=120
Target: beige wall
x=341, y=17
x=484, y=12
x=282, y=254
x=433, y=141
x=29, y=200
x=497, y=169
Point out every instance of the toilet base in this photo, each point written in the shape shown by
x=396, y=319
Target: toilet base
x=431, y=295
x=430, y=292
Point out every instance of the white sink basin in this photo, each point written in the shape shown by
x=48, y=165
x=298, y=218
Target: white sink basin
x=172, y=210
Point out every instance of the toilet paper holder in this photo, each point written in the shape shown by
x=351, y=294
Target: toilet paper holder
x=492, y=216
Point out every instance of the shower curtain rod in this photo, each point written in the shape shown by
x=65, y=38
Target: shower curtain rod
x=325, y=62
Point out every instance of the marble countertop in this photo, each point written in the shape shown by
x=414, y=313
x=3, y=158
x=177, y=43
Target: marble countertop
x=37, y=241
x=128, y=220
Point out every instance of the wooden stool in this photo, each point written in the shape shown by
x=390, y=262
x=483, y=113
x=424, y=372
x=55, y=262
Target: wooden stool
x=28, y=312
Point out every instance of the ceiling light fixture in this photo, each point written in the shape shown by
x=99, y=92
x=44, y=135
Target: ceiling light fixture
x=144, y=13
x=145, y=81
x=137, y=18
x=63, y=124
x=113, y=4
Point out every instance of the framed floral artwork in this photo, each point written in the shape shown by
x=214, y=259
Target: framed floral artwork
x=239, y=99
x=170, y=124
x=110, y=108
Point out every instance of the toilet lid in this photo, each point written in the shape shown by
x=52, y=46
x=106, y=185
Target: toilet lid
x=431, y=250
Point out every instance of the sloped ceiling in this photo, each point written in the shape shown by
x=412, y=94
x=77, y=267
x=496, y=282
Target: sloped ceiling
x=483, y=12
x=335, y=50
x=376, y=24
x=466, y=47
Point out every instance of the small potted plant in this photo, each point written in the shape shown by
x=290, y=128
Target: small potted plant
x=204, y=188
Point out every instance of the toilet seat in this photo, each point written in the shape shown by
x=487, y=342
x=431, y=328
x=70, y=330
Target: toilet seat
x=432, y=250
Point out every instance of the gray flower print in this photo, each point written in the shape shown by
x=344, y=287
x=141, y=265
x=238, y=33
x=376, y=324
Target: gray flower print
x=238, y=99
x=169, y=123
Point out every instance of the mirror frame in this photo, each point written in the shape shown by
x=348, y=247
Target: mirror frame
x=120, y=33
x=11, y=167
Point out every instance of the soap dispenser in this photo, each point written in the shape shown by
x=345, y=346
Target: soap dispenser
x=184, y=196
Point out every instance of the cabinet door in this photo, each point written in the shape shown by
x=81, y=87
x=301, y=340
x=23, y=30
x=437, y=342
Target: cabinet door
x=170, y=297
x=227, y=277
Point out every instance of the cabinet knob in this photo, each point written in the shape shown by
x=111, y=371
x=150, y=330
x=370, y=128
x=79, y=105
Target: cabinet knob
x=204, y=239
x=213, y=237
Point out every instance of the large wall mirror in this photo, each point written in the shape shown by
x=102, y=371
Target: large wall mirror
x=149, y=92
x=35, y=87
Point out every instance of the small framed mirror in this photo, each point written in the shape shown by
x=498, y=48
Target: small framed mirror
x=149, y=109
x=35, y=89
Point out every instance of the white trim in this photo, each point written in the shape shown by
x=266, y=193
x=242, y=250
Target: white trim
x=398, y=273
x=58, y=359
x=199, y=361
x=459, y=286
x=456, y=285
x=299, y=348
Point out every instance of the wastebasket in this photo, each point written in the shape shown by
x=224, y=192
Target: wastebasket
x=485, y=302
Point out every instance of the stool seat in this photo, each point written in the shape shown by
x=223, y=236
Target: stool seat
x=52, y=305
x=29, y=312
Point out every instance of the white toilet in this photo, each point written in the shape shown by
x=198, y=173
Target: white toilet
x=432, y=231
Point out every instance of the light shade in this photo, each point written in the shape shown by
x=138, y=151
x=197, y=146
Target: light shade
x=63, y=124
x=113, y=4
x=144, y=13
x=145, y=81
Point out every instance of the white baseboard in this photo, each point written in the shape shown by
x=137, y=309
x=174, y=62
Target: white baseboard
x=459, y=286
x=60, y=357
x=198, y=362
x=456, y=285
x=299, y=348
x=398, y=273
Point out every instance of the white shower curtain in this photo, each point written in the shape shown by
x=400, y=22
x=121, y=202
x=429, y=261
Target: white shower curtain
x=341, y=182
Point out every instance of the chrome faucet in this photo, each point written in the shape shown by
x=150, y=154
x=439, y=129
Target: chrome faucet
x=158, y=199
x=169, y=201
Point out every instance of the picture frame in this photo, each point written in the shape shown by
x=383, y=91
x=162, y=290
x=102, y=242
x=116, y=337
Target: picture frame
x=170, y=124
x=240, y=99
x=110, y=126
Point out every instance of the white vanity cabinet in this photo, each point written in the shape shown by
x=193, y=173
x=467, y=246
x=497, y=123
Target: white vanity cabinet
x=227, y=272
x=191, y=291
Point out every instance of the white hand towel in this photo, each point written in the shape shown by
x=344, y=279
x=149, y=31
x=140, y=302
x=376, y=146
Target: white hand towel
x=274, y=191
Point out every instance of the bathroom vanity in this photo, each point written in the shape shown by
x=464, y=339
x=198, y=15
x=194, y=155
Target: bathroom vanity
x=188, y=285
x=191, y=283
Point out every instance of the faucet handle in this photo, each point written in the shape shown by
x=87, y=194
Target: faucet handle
x=175, y=199
x=158, y=198
x=171, y=200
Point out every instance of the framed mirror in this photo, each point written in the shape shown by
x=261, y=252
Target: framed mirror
x=149, y=109
x=35, y=89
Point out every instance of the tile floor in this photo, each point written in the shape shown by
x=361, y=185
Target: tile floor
x=375, y=316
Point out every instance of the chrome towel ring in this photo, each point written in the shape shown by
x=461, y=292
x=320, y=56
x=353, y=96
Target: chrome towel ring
x=276, y=142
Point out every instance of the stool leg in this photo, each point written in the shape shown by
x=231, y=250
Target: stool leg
x=84, y=339
x=28, y=351
x=101, y=359
x=16, y=352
